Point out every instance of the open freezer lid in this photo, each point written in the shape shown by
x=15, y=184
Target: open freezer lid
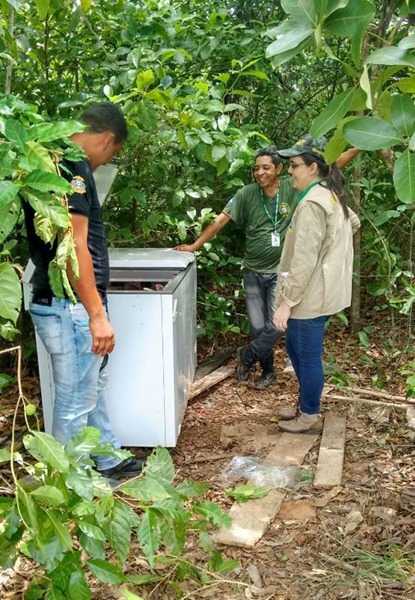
x=149, y=258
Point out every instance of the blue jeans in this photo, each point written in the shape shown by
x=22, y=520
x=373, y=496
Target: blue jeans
x=304, y=342
x=260, y=306
x=80, y=377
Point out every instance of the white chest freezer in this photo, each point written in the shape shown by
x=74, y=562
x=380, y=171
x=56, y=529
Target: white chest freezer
x=152, y=306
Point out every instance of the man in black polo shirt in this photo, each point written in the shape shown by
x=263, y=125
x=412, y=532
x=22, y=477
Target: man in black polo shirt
x=79, y=337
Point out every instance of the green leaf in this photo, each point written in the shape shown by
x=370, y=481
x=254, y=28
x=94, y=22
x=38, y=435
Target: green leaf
x=147, y=489
x=147, y=534
x=42, y=8
x=60, y=530
x=106, y=572
x=370, y=133
x=351, y=21
x=289, y=40
x=403, y=114
x=95, y=548
x=39, y=157
x=83, y=442
x=16, y=133
x=364, y=339
x=10, y=293
x=9, y=207
x=332, y=113
x=390, y=55
x=122, y=520
x=160, y=465
x=49, y=132
x=47, y=182
x=247, y=491
x=91, y=530
x=49, y=207
x=404, y=177
x=223, y=122
x=45, y=448
x=86, y=5
x=78, y=588
x=127, y=595
x=212, y=513
x=48, y=495
x=146, y=115
x=313, y=12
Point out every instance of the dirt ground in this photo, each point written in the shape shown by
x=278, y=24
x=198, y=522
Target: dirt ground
x=354, y=541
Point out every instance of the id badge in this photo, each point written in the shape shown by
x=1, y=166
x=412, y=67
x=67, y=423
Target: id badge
x=275, y=239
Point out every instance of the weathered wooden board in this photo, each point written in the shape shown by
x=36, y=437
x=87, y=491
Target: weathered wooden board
x=209, y=380
x=251, y=519
x=329, y=470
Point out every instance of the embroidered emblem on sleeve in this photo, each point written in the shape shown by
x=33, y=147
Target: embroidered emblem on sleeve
x=284, y=209
x=78, y=185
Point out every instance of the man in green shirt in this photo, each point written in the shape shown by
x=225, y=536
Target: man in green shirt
x=264, y=210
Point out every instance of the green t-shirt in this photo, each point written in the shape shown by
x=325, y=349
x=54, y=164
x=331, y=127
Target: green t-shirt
x=247, y=210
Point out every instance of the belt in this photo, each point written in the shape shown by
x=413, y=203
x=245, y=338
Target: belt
x=43, y=300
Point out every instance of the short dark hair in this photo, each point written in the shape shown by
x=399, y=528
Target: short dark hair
x=272, y=152
x=106, y=116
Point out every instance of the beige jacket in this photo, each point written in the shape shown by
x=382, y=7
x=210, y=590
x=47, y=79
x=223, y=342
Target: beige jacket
x=316, y=267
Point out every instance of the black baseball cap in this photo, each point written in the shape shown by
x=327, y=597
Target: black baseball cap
x=306, y=144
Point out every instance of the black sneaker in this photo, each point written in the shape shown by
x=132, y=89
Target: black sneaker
x=246, y=361
x=130, y=467
x=266, y=379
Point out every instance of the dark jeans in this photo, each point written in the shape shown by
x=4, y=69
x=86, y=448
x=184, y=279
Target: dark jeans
x=304, y=342
x=260, y=306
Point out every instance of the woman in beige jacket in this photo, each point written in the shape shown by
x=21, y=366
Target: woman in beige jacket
x=315, y=273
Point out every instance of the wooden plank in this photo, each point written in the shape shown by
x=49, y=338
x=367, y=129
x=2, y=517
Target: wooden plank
x=251, y=519
x=212, y=379
x=329, y=470
x=214, y=362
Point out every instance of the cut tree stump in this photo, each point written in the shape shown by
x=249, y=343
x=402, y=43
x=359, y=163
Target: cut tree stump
x=329, y=470
x=251, y=519
x=209, y=380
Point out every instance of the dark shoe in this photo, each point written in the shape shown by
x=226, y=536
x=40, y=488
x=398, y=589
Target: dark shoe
x=130, y=467
x=266, y=379
x=246, y=362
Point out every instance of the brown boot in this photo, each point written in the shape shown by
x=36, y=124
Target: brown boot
x=304, y=423
x=288, y=413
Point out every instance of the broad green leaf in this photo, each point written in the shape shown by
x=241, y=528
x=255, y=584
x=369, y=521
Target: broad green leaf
x=213, y=513
x=144, y=79
x=313, y=11
x=122, y=520
x=42, y=8
x=39, y=157
x=86, y=5
x=91, y=530
x=218, y=152
x=8, y=553
x=78, y=588
x=258, y=74
x=403, y=114
x=407, y=85
x=8, y=192
x=45, y=229
x=49, y=206
x=391, y=55
x=83, y=442
x=289, y=39
x=47, y=182
x=411, y=144
x=60, y=530
x=48, y=132
x=408, y=42
x=223, y=122
x=147, y=489
x=16, y=133
x=49, y=495
x=10, y=293
x=247, y=491
x=146, y=115
x=160, y=465
x=55, y=279
x=147, y=534
x=127, y=595
x=332, y=113
x=369, y=133
x=95, y=548
x=81, y=483
x=351, y=21
x=45, y=448
x=106, y=572
x=404, y=177
x=9, y=212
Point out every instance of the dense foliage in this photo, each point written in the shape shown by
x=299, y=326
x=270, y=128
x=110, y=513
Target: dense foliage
x=204, y=85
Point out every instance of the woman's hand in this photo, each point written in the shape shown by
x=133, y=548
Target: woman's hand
x=281, y=316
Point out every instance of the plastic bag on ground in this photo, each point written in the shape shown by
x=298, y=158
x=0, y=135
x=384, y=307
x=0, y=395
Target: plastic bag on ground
x=261, y=473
